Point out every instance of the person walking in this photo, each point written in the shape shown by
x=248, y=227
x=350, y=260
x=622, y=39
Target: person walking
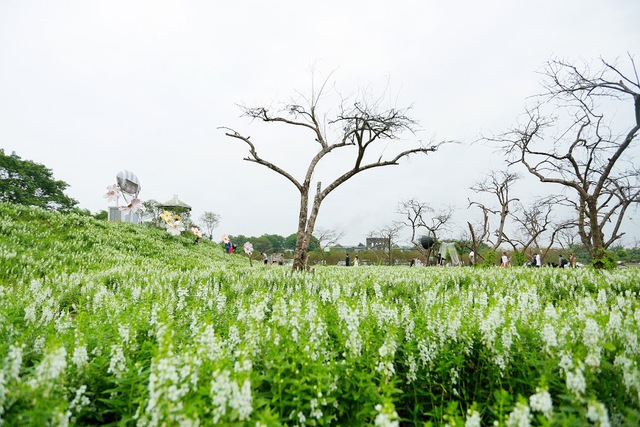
x=504, y=261
x=562, y=262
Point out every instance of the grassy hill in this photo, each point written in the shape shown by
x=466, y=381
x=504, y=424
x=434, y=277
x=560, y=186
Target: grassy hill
x=35, y=243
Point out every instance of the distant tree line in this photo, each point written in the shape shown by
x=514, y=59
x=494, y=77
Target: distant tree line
x=272, y=243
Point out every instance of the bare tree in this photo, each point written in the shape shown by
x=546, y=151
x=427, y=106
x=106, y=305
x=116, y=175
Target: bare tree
x=535, y=223
x=537, y=227
x=413, y=212
x=479, y=233
x=359, y=125
x=327, y=237
x=209, y=221
x=567, y=238
x=531, y=222
x=498, y=184
x=418, y=215
x=390, y=235
x=580, y=152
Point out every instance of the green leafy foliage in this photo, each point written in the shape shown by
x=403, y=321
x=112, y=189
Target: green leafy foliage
x=489, y=258
x=603, y=259
x=518, y=258
x=28, y=183
x=272, y=243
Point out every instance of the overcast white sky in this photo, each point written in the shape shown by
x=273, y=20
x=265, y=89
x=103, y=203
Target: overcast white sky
x=89, y=88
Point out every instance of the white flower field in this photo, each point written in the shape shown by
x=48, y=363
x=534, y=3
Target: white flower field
x=118, y=324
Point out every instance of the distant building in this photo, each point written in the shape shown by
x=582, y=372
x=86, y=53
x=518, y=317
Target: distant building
x=116, y=215
x=358, y=248
x=175, y=205
x=377, y=243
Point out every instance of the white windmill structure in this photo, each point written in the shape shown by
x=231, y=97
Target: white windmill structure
x=127, y=186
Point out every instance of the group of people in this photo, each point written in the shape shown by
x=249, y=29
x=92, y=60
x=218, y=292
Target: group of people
x=347, y=261
x=563, y=262
x=229, y=247
x=537, y=260
x=505, y=261
x=274, y=259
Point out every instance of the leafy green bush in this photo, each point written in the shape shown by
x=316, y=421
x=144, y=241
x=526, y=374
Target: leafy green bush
x=604, y=260
x=489, y=258
x=518, y=258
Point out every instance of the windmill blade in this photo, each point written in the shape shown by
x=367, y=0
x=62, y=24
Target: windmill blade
x=128, y=182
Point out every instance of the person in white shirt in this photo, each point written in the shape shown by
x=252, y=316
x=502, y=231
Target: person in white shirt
x=504, y=260
x=539, y=259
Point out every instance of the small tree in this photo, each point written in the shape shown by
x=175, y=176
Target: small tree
x=390, y=234
x=359, y=126
x=152, y=212
x=418, y=215
x=327, y=237
x=535, y=223
x=28, y=183
x=498, y=184
x=209, y=222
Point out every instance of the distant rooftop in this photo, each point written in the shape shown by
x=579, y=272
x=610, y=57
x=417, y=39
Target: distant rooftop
x=175, y=203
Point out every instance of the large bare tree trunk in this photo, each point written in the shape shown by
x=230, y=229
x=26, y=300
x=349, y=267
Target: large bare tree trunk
x=359, y=126
x=474, y=243
x=597, y=237
x=301, y=254
x=305, y=231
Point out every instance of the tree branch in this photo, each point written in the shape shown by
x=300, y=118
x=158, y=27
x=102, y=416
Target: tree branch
x=255, y=158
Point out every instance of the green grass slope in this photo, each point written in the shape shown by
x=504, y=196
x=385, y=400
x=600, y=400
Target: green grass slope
x=36, y=244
